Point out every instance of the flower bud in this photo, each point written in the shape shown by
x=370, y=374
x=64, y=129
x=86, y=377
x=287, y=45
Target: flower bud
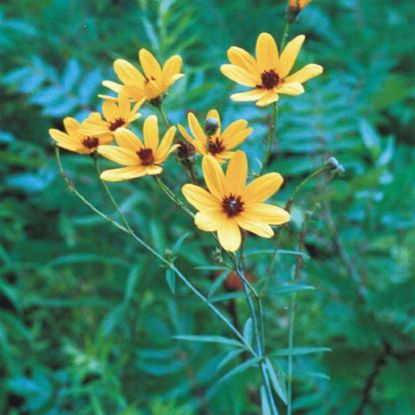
x=185, y=150
x=211, y=125
x=333, y=164
x=295, y=7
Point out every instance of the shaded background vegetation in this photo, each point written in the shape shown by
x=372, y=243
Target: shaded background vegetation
x=87, y=318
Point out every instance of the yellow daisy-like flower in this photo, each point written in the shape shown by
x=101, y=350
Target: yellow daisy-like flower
x=155, y=81
x=140, y=159
x=212, y=140
x=268, y=74
x=75, y=139
x=229, y=205
x=117, y=113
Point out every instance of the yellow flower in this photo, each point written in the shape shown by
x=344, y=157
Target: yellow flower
x=229, y=204
x=155, y=81
x=268, y=74
x=212, y=140
x=298, y=5
x=140, y=159
x=117, y=113
x=75, y=139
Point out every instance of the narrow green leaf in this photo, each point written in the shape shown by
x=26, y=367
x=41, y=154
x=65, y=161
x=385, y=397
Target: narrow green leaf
x=171, y=280
x=239, y=369
x=277, y=381
x=296, y=351
x=247, y=332
x=228, y=358
x=209, y=339
x=289, y=289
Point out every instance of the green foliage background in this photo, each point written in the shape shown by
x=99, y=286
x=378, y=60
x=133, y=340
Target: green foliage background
x=87, y=318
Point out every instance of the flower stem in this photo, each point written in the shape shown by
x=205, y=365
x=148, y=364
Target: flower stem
x=258, y=331
x=165, y=189
x=271, y=137
x=110, y=196
x=163, y=115
x=165, y=261
x=284, y=36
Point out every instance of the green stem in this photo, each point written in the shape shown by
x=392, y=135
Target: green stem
x=288, y=205
x=164, y=116
x=166, y=262
x=271, y=137
x=290, y=357
x=110, y=196
x=284, y=36
x=172, y=196
x=257, y=333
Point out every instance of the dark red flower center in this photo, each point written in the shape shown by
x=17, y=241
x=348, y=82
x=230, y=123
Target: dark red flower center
x=270, y=79
x=232, y=205
x=90, y=142
x=119, y=122
x=146, y=156
x=215, y=146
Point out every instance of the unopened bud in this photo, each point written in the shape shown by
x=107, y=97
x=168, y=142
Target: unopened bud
x=295, y=7
x=211, y=125
x=185, y=150
x=333, y=164
x=217, y=255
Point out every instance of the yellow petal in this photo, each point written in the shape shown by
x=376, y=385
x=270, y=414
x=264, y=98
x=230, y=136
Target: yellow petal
x=209, y=220
x=289, y=55
x=234, y=128
x=239, y=75
x=252, y=95
x=164, y=148
x=94, y=127
x=292, y=88
x=171, y=68
x=105, y=139
x=236, y=173
x=65, y=141
x=135, y=92
x=110, y=110
x=153, y=170
x=112, y=85
x=153, y=89
x=305, y=73
x=124, y=173
x=215, y=114
x=239, y=137
x=196, y=129
x=150, y=65
x=262, y=188
x=229, y=235
x=245, y=60
x=128, y=140
x=173, y=79
x=214, y=177
x=267, y=52
x=119, y=155
x=185, y=134
x=267, y=99
x=151, y=133
x=255, y=226
x=127, y=73
x=270, y=214
x=71, y=125
x=200, y=198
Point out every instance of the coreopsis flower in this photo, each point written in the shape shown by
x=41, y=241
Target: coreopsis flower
x=117, y=113
x=268, y=74
x=211, y=140
x=74, y=139
x=155, y=81
x=139, y=158
x=229, y=205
